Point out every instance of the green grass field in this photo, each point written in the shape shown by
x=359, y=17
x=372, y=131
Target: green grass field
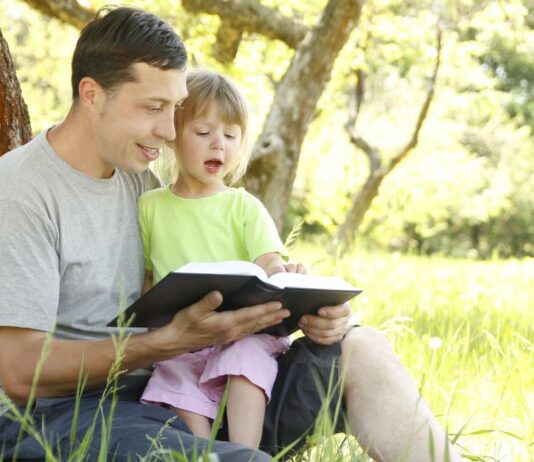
x=464, y=329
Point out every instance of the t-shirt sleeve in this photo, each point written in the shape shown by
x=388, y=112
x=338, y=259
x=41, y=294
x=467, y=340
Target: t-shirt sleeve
x=150, y=180
x=29, y=268
x=261, y=235
x=144, y=225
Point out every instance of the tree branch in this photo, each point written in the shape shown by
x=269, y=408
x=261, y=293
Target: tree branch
x=424, y=108
x=251, y=16
x=355, y=104
x=227, y=42
x=68, y=11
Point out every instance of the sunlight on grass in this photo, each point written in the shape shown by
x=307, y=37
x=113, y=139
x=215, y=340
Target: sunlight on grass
x=464, y=330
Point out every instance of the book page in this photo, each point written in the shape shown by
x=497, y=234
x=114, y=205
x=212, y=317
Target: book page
x=310, y=281
x=224, y=267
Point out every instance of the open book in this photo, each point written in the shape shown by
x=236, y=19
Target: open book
x=242, y=284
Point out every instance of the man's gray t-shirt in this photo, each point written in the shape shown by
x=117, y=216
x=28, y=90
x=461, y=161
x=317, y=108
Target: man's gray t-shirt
x=70, y=251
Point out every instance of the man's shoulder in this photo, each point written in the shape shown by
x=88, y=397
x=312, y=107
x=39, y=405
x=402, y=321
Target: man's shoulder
x=17, y=160
x=21, y=168
x=143, y=182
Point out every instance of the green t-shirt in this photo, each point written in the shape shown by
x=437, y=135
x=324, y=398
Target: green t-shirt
x=230, y=225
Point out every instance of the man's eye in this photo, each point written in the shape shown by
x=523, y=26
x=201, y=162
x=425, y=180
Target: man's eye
x=155, y=108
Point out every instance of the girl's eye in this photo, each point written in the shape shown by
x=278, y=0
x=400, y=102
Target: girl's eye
x=230, y=136
x=202, y=133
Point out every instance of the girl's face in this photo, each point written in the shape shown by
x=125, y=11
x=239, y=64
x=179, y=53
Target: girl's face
x=207, y=150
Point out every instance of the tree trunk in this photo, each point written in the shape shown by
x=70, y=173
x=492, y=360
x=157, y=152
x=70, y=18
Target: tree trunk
x=15, y=128
x=276, y=153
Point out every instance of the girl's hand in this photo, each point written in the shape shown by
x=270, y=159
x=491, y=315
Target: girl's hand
x=272, y=263
x=292, y=267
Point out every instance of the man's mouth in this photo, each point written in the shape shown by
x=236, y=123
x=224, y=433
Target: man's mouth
x=149, y=153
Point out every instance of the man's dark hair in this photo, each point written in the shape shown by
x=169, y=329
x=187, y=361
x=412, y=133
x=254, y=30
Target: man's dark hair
x=120, y=37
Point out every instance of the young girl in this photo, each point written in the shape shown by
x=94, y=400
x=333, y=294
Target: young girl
x=200, y=218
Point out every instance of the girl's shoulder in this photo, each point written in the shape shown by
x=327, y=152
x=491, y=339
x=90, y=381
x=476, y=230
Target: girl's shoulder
x=242, y=196
x=154, y=194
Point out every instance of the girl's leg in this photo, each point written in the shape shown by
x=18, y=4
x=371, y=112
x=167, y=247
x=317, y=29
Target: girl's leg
x=245, y=411
x=200, y=425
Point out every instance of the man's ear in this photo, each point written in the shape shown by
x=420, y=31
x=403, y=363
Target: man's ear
x=89, y=91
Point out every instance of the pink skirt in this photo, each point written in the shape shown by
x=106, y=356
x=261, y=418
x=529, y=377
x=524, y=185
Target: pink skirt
x=195, y=381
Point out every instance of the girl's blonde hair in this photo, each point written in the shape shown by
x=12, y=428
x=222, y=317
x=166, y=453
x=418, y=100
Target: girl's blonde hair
x=206, y=88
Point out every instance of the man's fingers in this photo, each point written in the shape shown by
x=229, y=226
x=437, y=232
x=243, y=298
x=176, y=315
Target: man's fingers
x=206, y=305
x=335, y=312
x=325, y=340
x=252, y=319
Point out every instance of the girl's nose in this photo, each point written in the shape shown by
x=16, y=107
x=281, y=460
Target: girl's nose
x=217, y=141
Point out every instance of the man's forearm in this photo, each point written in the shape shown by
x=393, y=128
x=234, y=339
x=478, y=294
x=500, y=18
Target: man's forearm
x=192, y=328
x=63, y=361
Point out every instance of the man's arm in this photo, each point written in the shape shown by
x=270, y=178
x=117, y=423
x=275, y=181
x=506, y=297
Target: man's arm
x=192, y=328
x=330, y=324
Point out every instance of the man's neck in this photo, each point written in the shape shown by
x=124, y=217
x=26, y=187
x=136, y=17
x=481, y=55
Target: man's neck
x=71, y=140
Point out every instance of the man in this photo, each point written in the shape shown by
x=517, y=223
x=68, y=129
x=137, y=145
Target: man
x=71, y=259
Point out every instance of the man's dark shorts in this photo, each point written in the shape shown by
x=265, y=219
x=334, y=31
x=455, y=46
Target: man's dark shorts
x=308, y=381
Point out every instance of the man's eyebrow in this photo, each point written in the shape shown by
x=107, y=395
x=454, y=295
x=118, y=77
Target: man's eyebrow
x=158, y=99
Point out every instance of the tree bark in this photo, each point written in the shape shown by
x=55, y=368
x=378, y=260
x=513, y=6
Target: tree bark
x=251, y=16
x=276, y=153
x=15, y=128
x=68, y=11
x=227, y=42
x=362, y=200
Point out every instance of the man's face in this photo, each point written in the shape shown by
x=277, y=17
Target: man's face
x=132, y=123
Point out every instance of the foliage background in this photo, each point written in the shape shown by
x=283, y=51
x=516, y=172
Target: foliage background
x=467, y=188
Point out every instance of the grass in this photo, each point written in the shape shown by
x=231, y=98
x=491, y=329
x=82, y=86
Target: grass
x=463, y=329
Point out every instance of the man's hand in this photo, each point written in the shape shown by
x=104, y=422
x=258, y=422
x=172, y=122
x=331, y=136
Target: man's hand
x=328, y=326
x=200, y=325
x=192, y=328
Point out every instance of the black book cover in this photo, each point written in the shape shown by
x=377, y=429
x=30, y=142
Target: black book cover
x=177, y=290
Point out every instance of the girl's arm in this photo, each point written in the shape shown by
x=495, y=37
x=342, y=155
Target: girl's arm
x=148, y=282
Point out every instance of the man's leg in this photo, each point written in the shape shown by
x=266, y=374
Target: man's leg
x=136, y=430
x=386, y=413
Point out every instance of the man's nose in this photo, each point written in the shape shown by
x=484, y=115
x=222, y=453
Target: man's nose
x=165, y=128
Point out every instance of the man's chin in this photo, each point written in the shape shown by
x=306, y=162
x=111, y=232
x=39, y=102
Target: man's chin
x=139, y=167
